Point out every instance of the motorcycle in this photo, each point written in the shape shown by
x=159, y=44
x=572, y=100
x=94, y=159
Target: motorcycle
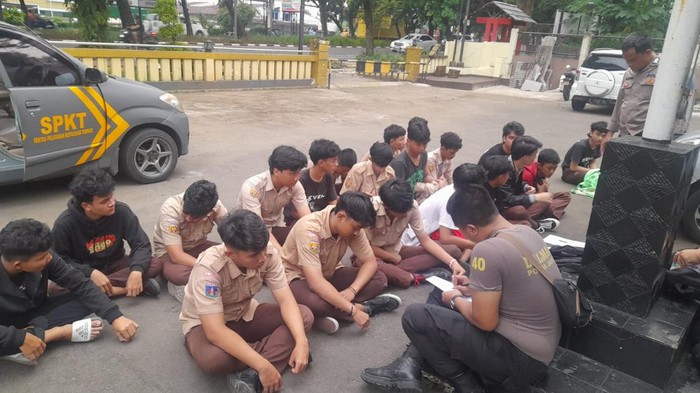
x=130, y=35
x=567, y=82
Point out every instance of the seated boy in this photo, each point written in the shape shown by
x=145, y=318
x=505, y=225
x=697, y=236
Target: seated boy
x=312, y=256
x=368, y=176
x=410, y=164
x=267, y=193
x=226, y=330
x=511, y=131
x=346, y=160
x=582, y=156
x=440, y=160
x=395, y=137
x=436, y=221
x=537, y=176
x=90, y=236
x=180, y=234
x=396, y=211
x=29, y=320
x=317, y=180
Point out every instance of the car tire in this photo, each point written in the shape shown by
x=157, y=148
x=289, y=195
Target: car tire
x=691, y=217
x=578, y=105
x=566, y=93
x=148, y=155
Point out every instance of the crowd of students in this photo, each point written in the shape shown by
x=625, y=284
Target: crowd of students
x=289, y=229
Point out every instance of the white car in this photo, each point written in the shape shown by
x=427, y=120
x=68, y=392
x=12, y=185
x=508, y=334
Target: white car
x=424, y=41
x=598, y=79
x=152, y=24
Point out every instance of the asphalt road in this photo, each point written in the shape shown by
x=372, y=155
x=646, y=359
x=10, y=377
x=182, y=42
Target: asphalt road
x=232, y=134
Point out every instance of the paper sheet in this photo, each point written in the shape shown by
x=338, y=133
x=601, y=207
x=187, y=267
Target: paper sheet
x=554, y=240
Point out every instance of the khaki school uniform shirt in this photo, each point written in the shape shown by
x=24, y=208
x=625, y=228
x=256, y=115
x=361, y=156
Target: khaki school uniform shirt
x=386, y=233
x=362, y=178
x=311, y=244
x=437, y=167
x=217, y=285
x=367, y=156
x=632, y=103
x=171, y=227
x=259, y=196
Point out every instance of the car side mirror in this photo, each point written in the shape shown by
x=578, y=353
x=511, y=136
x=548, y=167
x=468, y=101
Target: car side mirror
x=93, y=76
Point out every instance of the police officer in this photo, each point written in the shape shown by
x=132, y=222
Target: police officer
x=632, y=104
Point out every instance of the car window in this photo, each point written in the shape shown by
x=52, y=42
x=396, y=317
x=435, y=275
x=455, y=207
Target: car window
x=408, y=37
x=28, y=65
x=605, y=62
x=426, y=38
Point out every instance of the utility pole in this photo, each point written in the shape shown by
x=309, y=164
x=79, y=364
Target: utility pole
x=453, y=63
x=464, y=31
x=301, y=25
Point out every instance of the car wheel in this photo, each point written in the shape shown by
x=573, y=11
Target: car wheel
x=578, y=105
x=148, y=155
x=691, y=217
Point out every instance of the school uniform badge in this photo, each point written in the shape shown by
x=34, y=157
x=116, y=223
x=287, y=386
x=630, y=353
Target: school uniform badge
x=211, y=290
x=173, y=229
x=254, y=192
x=314, y=247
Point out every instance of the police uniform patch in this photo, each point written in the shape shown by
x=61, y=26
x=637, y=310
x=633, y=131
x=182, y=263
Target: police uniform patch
x=348, y=183
x=314, y=247
x=211, y=290
x=650, y=81
x=173, y=229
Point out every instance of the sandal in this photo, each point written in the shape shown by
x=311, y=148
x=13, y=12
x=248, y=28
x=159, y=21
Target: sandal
x=82, y=330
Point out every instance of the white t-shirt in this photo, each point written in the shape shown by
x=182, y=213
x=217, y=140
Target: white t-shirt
x=435, y=215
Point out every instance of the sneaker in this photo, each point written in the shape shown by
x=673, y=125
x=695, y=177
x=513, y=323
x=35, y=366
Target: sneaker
x=327, y=325
x=548, y=224
x=382, y=303
x=20, y=359
x=151, y=287
x=246, y=381
x=176, y=291
x=540, y=229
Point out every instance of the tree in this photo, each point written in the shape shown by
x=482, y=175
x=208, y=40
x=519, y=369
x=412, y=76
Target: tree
x=230, y=7
x=186, y=15
x=14, y=16
x=244, y=13
x=167, y=13
x=351, y=11
x=92, y=18
x=125, y=13
x=623, y=17
x=330, y=11
x=368, y=17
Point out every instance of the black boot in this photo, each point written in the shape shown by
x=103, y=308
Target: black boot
x=466, y=382
x=403, y=374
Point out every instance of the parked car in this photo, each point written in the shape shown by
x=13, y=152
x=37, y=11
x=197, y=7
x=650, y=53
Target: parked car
x=422, y=40
x=152, y=24
x=598, y=79
x=691, y=215
x=57, y=116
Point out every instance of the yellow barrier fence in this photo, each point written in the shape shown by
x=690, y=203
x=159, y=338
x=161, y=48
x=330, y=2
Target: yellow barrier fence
x=173, y=66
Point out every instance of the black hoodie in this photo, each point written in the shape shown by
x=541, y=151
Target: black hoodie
x=14, y=301
x=89, y=245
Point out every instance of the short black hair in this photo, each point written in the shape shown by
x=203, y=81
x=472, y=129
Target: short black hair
x=358, y=207
x=89, y=183
x=473, y=206
x=450, y=140
x=286, y=158
x=524, y=146
x=639, y=41
x=548, y=156
x=21, y=239
x=392, y=132
x=513, y=126
x=418, y=130
x=243, y=230
x=496, y=166
x=347, y=157
x=200, y=197
x=397, y=195
x=322, y=149
x=381, y=154
x=467, y=174
x=600, y=126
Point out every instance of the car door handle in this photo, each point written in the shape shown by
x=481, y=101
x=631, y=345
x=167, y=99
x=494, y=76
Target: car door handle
x=32, y=104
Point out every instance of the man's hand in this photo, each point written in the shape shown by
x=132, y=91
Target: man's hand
x=543, y=197
x=529, y=189
x=134, y=284
x=457, y=269
x=461, y=284
x=361, y=318
x=33, y=347
x=544, y=187
x=448, y=295
x=687, y=258
x=300, y=358
x=442, y=182
x=270, y=378
x=125, y=328
x=101, y=281
x=348, y=294
x=395, y=259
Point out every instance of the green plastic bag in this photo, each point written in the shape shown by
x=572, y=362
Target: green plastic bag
x=588, y=185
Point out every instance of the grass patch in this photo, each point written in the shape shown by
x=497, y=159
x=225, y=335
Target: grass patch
x=390, y=58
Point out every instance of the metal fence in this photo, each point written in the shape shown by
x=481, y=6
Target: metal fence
x=569, y=45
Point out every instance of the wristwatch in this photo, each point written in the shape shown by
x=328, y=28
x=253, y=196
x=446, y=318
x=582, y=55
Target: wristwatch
x=453, y=301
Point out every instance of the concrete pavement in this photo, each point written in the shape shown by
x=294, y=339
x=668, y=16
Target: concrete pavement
x=232, y=134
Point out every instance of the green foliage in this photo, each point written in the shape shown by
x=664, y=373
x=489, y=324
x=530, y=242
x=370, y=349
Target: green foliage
x=92, y=18
x=389, y=58
x=13, y=16
x=244, y=13
x=626, y=16
x=167, y=12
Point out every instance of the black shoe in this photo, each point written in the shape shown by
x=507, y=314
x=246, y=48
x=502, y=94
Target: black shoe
x=151, y=287
x=403, y=374
x=246, y=381
x=466, y=382
x=382, y=303
x=438, y=272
